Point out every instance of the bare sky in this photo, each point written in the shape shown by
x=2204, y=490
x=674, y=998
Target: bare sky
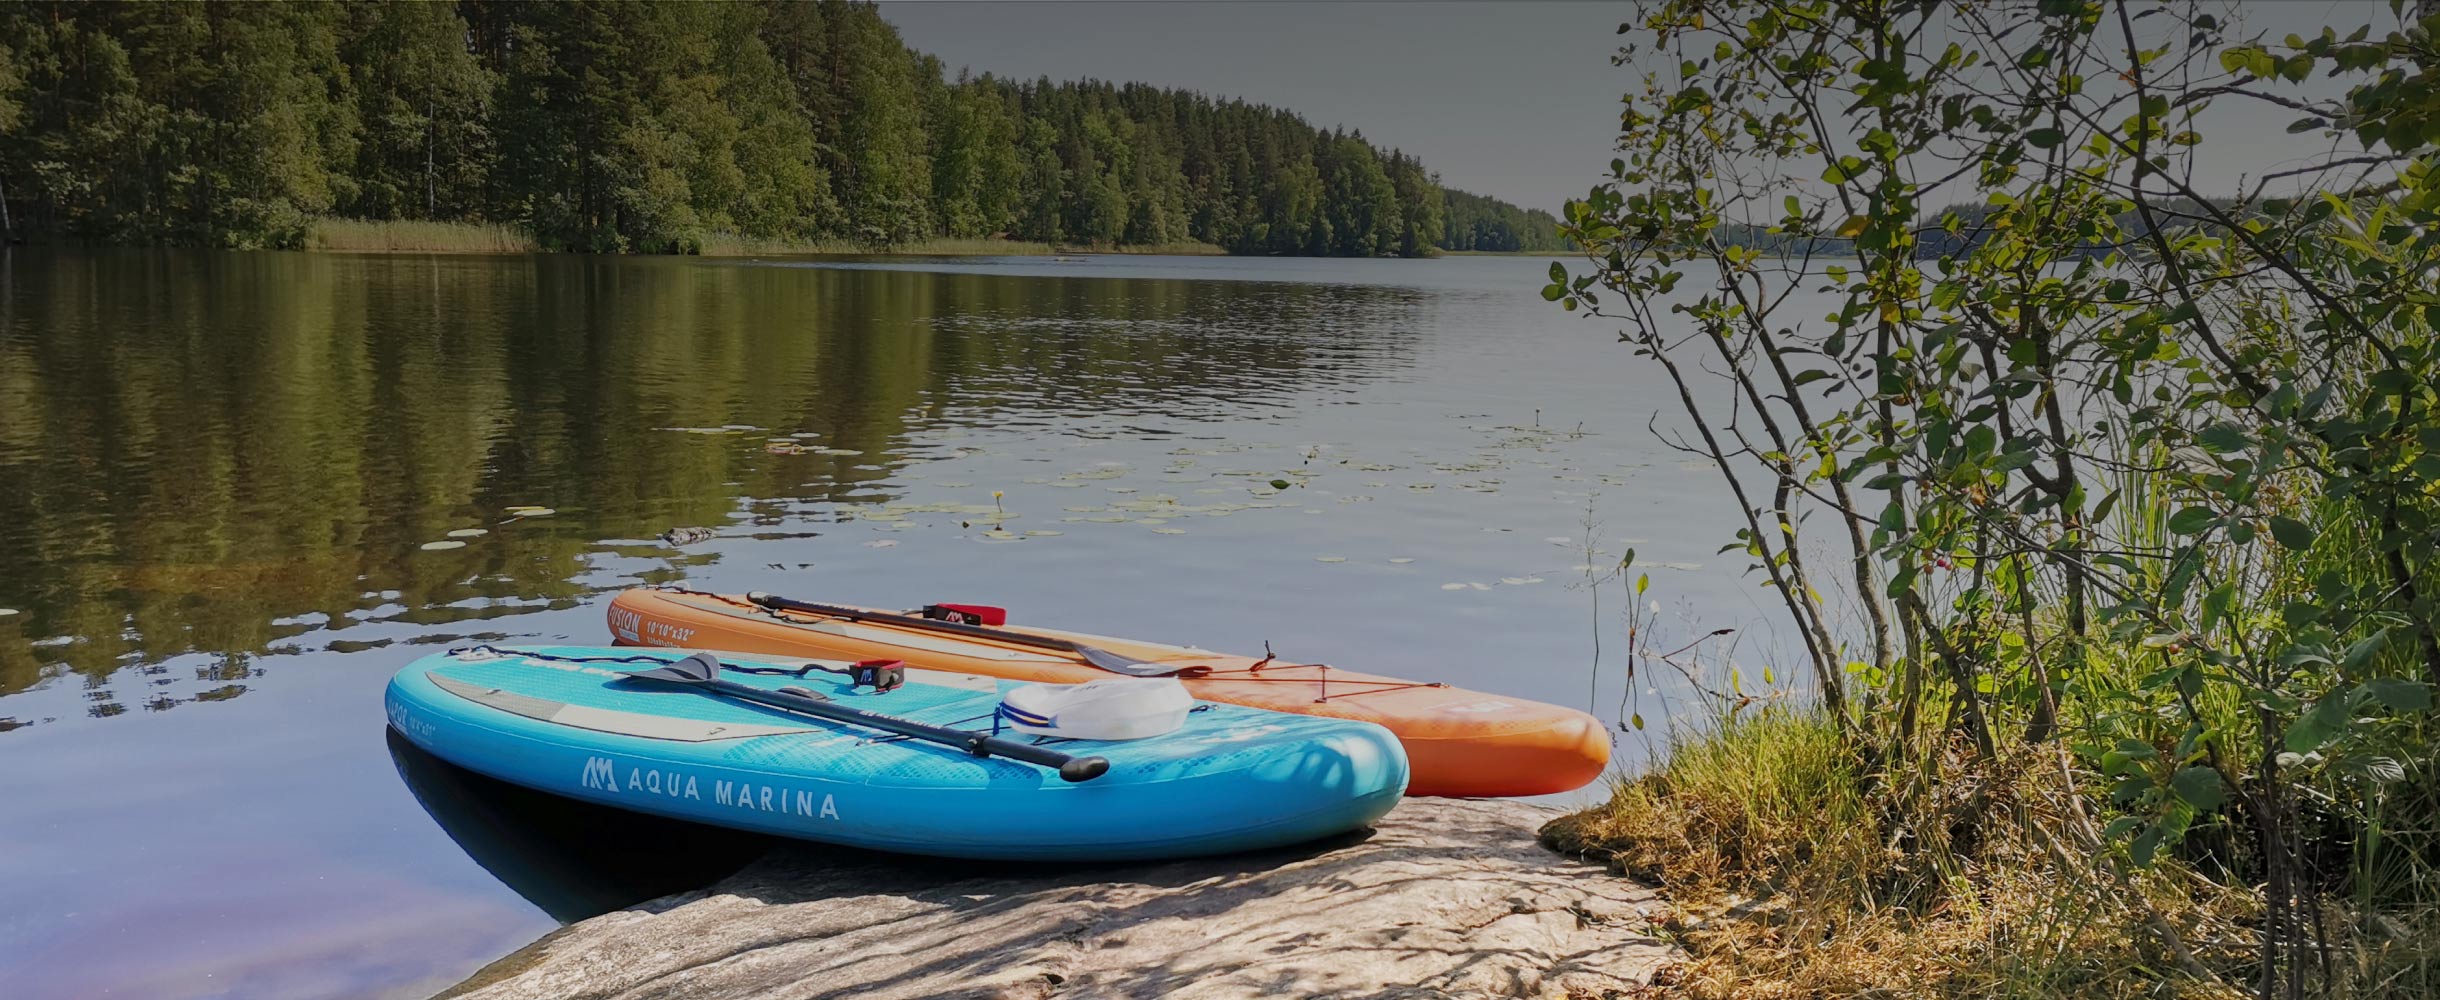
x=1516, y=100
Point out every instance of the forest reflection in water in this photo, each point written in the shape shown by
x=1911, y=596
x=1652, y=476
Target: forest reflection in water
x=226, y=454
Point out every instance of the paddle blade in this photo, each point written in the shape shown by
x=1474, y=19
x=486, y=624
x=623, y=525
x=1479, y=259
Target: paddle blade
x=1126, y=665
x=701, y=668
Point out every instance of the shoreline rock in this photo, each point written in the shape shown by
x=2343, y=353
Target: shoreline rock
x=1445, y=898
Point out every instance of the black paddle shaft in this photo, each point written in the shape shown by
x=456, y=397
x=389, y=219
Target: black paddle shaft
x=1070, y=768
x=1105, y=659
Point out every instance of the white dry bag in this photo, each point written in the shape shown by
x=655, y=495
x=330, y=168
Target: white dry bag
x=1120, y=708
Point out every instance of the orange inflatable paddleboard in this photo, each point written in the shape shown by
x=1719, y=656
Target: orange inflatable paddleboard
x=1458, y=742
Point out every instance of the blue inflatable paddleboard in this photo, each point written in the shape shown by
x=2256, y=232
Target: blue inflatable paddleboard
x=568, y=720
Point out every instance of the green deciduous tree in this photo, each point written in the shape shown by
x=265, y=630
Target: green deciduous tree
x=2126, y=475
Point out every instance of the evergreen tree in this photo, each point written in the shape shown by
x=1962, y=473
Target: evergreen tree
x=621, y=127
x=423, y=107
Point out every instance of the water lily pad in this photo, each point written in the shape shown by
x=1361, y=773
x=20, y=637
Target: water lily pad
x=1519, y=581
x=469, y=533
x=6, y=612
x=1329, y=559
x=880, y=543
x=1452, y=586
x=440, y=545
x=1044, y=533
x=1168, y=531
x=532, y=511
x=1402, y=560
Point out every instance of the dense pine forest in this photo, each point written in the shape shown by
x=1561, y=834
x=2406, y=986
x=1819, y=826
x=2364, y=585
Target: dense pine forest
x=653, y=127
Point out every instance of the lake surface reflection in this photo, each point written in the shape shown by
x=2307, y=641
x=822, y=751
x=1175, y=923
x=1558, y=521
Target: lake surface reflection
x=238, y=490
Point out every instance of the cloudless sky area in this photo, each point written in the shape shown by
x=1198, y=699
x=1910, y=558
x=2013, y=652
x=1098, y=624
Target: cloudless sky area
x=1516, y=100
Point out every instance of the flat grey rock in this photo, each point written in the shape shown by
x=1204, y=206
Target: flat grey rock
x=1446, y=898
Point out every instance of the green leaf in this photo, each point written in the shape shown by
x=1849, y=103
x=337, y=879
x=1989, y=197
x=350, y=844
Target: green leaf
x=2220, y=439
x=2192, y=520
x=2199, y=786
x=2045, y=138
x=2144, y=846
x=1552, y=293
x=1279, y=484
x=2400, y=695
x=1558, y=272
x=2291, y=532
x=2321, y=723
x=2364, y=650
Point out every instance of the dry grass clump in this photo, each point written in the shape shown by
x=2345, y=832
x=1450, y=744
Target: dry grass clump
x=1795, y=872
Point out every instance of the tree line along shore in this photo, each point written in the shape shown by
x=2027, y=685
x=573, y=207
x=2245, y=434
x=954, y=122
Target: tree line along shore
x=656, y=128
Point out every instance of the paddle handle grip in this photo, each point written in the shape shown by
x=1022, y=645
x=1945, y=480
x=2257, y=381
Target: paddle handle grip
x=1069, y=768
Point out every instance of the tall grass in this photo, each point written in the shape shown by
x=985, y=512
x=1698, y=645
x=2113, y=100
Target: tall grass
x=1801, y=862
x=1794, y=872
x=735, y=245
x=409, y=236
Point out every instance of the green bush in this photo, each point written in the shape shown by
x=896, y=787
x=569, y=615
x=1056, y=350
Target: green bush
x=2125, y=471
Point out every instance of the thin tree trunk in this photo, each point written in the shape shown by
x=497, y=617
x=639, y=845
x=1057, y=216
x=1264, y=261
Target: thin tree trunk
x=432, y=130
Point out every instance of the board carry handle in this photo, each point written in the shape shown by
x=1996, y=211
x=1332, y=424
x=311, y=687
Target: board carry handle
x=701, y=672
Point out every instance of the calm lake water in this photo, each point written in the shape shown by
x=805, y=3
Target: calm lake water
x=218, y=472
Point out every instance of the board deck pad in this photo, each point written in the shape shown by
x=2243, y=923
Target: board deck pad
x=607, y=720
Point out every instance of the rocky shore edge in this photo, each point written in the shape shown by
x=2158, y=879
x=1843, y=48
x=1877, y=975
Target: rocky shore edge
x=1445, y=898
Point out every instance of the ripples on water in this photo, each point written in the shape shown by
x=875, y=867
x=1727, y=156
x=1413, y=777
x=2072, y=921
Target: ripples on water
x=220, y=472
